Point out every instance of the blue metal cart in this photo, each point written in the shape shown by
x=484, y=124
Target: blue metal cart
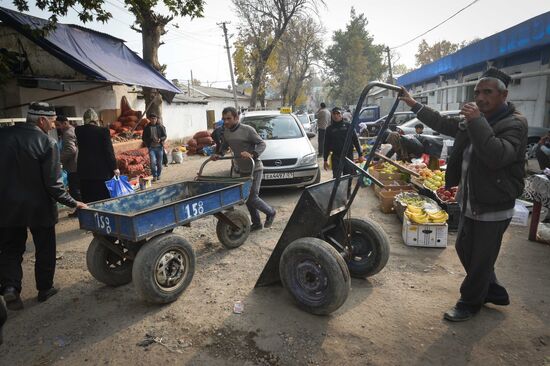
x=133, y=238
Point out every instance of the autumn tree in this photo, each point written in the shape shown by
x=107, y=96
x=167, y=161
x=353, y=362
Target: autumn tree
x=150, y=23
x=264, y=22
x=353, y=60
x=427, y=54
x=300, y=47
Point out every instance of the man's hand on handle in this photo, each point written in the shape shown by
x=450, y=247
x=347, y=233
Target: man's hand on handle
x=246, y=155
x=80, y=205
x=406, y=97
x=116, y=172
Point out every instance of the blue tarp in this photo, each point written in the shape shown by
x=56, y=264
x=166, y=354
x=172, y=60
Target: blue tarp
x=97, y=55
x=531, y=34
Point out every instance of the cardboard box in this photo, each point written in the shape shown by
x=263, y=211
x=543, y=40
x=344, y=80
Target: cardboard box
x=521, y=215
x=393, y=185
x=425, y=235
x=387, y=198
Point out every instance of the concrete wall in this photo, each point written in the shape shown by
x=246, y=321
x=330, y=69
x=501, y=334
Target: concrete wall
x=180, y=120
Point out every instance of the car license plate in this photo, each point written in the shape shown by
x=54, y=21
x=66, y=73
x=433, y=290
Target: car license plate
x=278, y=175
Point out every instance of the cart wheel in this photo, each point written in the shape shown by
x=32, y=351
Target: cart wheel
x=106, y=266
x=370, y=248
x=315, y=274
x=163, y=268
x=230, y=237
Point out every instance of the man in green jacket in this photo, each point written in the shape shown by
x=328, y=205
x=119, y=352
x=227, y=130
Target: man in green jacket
x=487, y=163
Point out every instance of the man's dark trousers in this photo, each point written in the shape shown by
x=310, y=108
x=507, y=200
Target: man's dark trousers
x=320, y=141
x=478, y=245
x=12, y=247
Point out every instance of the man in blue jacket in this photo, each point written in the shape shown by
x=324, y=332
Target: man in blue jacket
x=487, y=163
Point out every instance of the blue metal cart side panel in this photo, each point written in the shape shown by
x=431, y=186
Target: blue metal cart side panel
x=99, y=222
x=126, y=227
x=231, y=195
x=153, y=221
x=194, y=208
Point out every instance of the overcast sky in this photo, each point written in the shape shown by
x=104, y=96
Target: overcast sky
x=198, y=44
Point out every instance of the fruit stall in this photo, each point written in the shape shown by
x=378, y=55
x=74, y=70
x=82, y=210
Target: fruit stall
x=417, y=195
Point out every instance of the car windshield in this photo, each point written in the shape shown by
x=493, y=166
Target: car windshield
x=303, y=119
x=274, y=127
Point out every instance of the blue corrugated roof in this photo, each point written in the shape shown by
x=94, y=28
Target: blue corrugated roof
x=97, y=55
x=530, y=34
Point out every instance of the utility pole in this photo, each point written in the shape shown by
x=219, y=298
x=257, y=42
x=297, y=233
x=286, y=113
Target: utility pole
x=230, y=65
x=389, y=67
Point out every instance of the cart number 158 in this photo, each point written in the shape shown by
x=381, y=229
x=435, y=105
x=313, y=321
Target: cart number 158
x=103, y=222
x=194, y=209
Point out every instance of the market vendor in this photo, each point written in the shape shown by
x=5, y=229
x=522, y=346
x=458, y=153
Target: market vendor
x=487, y=162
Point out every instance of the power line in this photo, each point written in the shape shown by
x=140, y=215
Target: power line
x=431, y=29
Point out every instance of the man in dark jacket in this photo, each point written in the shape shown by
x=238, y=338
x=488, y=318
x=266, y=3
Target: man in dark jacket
x=487, y=163
x=28, y=199
x=154, y=136
x=334, y=142
x=96, y=161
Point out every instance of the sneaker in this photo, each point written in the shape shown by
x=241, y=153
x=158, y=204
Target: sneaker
x=12, y=298
x=44, y=295
x=256, y=227
x=158, y=178
x=155, y=179
x=269, y=220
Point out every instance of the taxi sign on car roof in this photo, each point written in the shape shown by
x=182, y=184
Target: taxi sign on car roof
x=285, y=110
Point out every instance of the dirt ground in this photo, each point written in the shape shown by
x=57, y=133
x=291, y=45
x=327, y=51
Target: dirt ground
x=392, y=318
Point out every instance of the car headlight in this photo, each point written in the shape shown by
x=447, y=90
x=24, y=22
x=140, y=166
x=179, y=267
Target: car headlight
x=309, y=159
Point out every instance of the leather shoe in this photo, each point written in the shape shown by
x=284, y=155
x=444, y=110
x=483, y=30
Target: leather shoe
x=458, y=314
x=12, y=298
x=3, y=316
x=44, y=295
x=502, y=301
x=256, y=227
x=269, y=220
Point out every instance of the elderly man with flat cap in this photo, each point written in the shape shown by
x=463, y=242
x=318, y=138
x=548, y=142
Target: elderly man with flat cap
x=487, y=163
x=28, y=196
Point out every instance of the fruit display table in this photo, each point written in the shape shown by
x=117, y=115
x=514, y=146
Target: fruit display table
x=537, y=188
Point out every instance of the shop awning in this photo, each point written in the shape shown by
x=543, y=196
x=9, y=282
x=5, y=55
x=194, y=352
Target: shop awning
x=97, y=55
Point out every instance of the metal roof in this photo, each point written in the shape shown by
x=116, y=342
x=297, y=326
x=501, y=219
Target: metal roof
x=529, y=35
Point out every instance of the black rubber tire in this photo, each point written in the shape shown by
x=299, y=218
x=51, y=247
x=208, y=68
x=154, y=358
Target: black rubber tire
x=315, y=274
x=233, y=238
x=370, y=248
x=106, y=266
x=149, y=262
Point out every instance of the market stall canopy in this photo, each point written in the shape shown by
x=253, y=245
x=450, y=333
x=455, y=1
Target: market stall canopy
x=97, y=55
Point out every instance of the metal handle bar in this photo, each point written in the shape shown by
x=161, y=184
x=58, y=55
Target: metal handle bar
x=226, y=158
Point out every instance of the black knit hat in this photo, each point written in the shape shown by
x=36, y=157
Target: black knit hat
x=336, y=110
x=61, y=118
x=493, y=72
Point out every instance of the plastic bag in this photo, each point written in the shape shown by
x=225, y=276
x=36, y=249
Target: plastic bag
x=65, y=178
x=119, y=186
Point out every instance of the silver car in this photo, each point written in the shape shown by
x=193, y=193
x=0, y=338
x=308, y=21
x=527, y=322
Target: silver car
x=289, y=158
x=309, y=127
x=407, y=128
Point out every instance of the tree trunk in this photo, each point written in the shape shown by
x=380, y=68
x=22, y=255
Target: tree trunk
x=151, y=31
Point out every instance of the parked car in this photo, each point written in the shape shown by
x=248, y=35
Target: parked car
x=407, y=128
x=372, y=128
x=310, y=129
x=534, y=134
x=289, y=158
x=313, y=121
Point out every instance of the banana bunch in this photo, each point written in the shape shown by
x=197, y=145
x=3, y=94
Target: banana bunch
x=438, y=217
x=419, y=216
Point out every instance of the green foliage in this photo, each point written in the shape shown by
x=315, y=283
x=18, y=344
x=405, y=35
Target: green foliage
x=427, y=54
x=353, y=60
